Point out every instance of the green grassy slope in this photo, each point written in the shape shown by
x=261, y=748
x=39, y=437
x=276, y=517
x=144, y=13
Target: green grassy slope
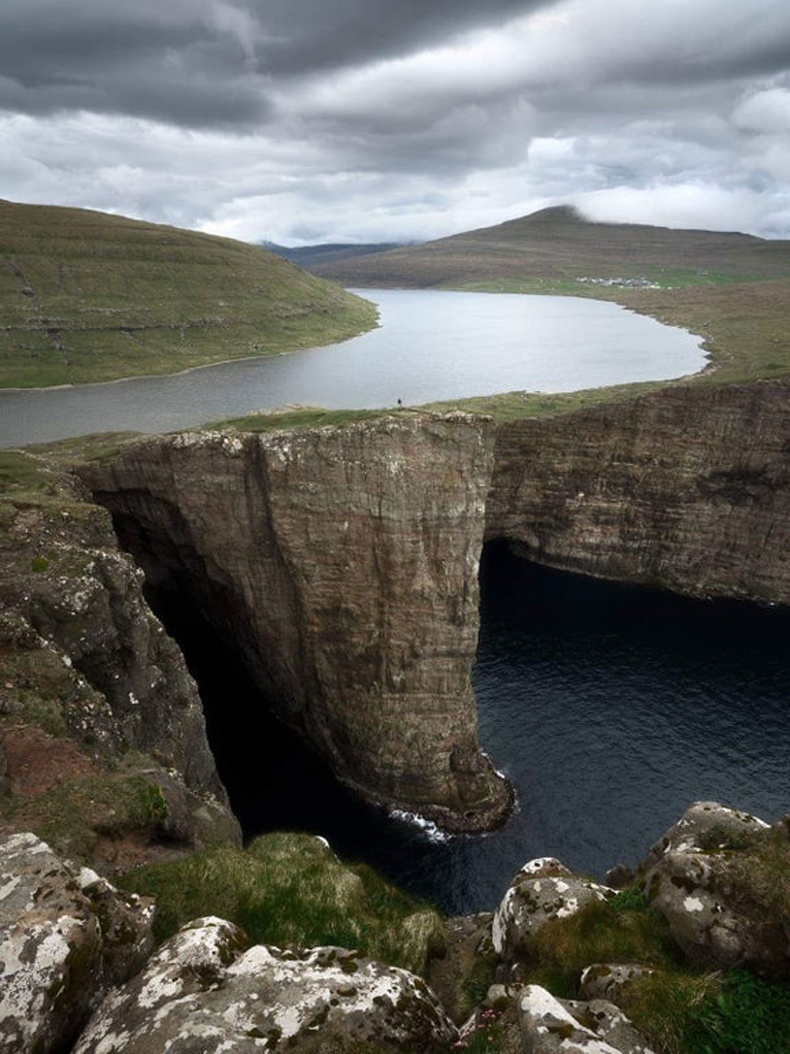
x=86, y=296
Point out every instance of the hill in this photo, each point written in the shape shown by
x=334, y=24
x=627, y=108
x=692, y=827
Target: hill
x=86, y=296
x=557, y=245
x=311, y=256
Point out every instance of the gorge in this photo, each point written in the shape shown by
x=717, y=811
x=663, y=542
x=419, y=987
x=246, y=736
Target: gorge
x=342, y=560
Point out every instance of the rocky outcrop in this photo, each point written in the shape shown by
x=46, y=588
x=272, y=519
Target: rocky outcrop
x=543, y=890
x=342, y=562
x=204, y=990
x=687, y=488
x=528, y=1019
x=99, y=716
x=714, y=877
x=66, y=938
x=552, y=1025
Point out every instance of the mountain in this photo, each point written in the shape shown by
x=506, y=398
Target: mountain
x=86, y=296
x=312, y=256
x=558, y=245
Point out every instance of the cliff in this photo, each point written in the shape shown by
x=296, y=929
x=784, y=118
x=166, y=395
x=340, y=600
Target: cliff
x=342, y=562
x=685, y=489
x=103, y=746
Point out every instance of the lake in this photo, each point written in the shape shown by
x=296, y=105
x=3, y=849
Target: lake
x=430, y=345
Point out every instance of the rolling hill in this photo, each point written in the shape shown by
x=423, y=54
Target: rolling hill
x=86, y=296
x=557, y=246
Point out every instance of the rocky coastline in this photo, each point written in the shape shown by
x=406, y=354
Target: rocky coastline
x=342, y=561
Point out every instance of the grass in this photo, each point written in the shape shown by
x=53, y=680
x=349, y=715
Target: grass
x=86, y=296
x=290, y=889
x=605, y=931
x=735, y=1013
x=71, y=816
x=293, y=417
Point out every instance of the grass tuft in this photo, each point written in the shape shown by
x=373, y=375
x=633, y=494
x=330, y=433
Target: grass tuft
x=290, y=890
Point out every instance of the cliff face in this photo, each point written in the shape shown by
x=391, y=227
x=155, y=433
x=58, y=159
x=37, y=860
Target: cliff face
x=342, y=561
x=343, y=564
x=102, y=738
x=687, y=488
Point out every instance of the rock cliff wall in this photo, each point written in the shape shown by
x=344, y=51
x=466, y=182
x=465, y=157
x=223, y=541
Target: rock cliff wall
x=102, y=736
x=342, y=561
x=687, y=488
x=343, y=564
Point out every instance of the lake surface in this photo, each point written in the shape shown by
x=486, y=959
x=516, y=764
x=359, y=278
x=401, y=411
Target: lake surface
x=611, y=709
x=431, y=345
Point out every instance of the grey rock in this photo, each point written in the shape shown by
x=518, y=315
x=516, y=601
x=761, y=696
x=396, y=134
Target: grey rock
x=202, y=991
x=607, y=980
x=551, y=1026
x=619, y=876
x=689, y=878
x=542, y=891
x=704, y=826
x=65, y=938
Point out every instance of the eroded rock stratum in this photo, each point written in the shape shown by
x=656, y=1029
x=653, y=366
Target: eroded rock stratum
x=343, y=564
x=342, y=561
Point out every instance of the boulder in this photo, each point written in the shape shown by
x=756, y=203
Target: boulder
x=203, y=991
x=66, y=937
x=703, y=877
x=607, y=980
x=705, y=826
x=543, y=890
x=551, y=1025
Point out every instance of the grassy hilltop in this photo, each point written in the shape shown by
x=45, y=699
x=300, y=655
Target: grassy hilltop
x=85, y=296
x=732, y=289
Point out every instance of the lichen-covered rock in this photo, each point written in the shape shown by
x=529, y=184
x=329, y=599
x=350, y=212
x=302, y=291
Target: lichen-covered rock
x=203, y=992
x=705, y=826
x=65, y=938
x=543, y=890
x=551, y=1026
x=698, y=877
x=607, y=980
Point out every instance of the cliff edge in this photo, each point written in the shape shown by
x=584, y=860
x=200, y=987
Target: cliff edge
x=342, y=562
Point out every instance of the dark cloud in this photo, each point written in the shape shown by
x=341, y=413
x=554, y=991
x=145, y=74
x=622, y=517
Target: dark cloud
x=320, y=34
x=386, y=119
x=148, y=59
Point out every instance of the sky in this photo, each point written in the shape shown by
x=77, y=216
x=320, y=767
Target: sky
x=301, y=121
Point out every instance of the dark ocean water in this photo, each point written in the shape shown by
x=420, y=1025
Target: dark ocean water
x=610, y=708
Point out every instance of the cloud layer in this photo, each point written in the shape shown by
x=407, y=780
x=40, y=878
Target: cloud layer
x=302, y=120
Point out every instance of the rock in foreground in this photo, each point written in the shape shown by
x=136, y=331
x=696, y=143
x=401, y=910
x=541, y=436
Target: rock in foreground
x=66, y=937
x=202, y=991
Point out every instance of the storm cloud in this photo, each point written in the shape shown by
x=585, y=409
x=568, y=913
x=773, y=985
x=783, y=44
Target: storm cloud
x=308, y=120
